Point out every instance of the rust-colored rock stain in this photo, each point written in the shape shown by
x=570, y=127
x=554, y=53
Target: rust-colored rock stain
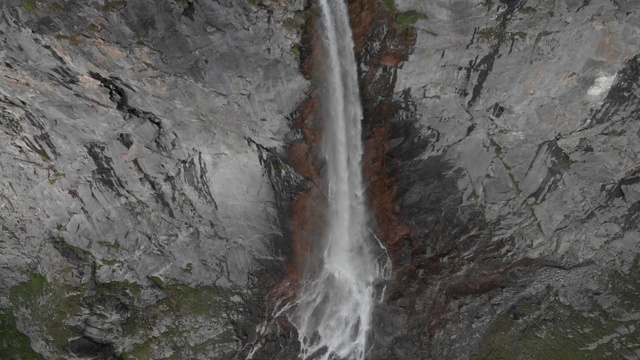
x=307, y=220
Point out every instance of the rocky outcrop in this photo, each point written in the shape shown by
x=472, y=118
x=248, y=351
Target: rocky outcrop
x=520, y=134
x=138, y=143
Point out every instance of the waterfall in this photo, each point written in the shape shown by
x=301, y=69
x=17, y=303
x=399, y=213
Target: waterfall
x=333, y=311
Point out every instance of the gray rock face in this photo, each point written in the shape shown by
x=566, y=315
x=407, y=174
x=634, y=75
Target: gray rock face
x=521, y=182
x=133, y=140
x=144, y=183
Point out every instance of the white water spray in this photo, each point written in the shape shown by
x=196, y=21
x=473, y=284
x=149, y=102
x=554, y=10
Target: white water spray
x=333, y=312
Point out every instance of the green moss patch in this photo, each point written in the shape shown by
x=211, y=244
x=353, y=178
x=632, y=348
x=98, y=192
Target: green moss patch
x=549, y=329
x=565, y=162
x=298, y=20
x=163, y=317
x=50, y=306
x=489, y=34
x=92, y=27
x=496, y=34
x=408, y=18
x=182, y=310
x=57, y=8
x=73, y=40
x=29, y=290
x=194, y=300
x=113, y=6
x=7, y=233
x=156, y=281
x=402, y=19
x=626, y=287
x=56, y=177
x=78, y=250
x=13, y=343
x=118, y=288
x=555, y=331
x=30, y=5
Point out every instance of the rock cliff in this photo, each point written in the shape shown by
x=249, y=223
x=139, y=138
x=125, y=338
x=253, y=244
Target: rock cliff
x=518, y=181
x=137, y=215
x=160, y=173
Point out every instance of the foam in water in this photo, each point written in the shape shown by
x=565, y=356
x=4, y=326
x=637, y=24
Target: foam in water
x=333, y=312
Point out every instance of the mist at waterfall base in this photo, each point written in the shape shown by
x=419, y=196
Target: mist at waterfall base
x=333, y=311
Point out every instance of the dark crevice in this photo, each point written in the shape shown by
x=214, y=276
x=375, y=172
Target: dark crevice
x=632, y=219
x=585, y=3
x=104, y=172
x=473, y=37
x=87, y=347
x=559, y=161
x=496, y=110
x=72, y=254
x=285, y=181
x=189, y=11
x=55, y=54
x=485, y=65
x=195, y=175
x=157, y=190
x=125, y=140
x=66, y=76
x=118, y=95
x=631, y=179
x=46, y=139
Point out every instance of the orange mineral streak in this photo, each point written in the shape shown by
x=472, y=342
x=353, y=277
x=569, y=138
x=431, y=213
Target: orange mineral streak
x=365, y=16
x=361, y=15
x=382, y=190
x=306, y=223
x=307, y=220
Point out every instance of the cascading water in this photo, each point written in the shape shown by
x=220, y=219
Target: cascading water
x=333, y=311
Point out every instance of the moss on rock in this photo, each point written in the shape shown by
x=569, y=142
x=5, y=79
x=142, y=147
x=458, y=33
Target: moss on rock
x=13, y=343
x=48, y=309
x=551, y=329
x=402, y=19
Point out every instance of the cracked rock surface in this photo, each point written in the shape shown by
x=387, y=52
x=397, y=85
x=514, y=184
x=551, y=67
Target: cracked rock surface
x=137, y=216
x=149, y=161
x=519, y=181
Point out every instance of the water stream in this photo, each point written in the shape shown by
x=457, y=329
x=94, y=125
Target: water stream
x=333, y=312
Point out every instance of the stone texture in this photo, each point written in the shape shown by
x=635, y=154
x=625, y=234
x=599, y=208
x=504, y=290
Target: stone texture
x=136, y=138
x=526, y=132
x=159, y=195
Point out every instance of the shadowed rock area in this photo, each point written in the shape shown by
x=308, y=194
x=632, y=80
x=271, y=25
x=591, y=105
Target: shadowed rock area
x=159, y=189
x=512, y=178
